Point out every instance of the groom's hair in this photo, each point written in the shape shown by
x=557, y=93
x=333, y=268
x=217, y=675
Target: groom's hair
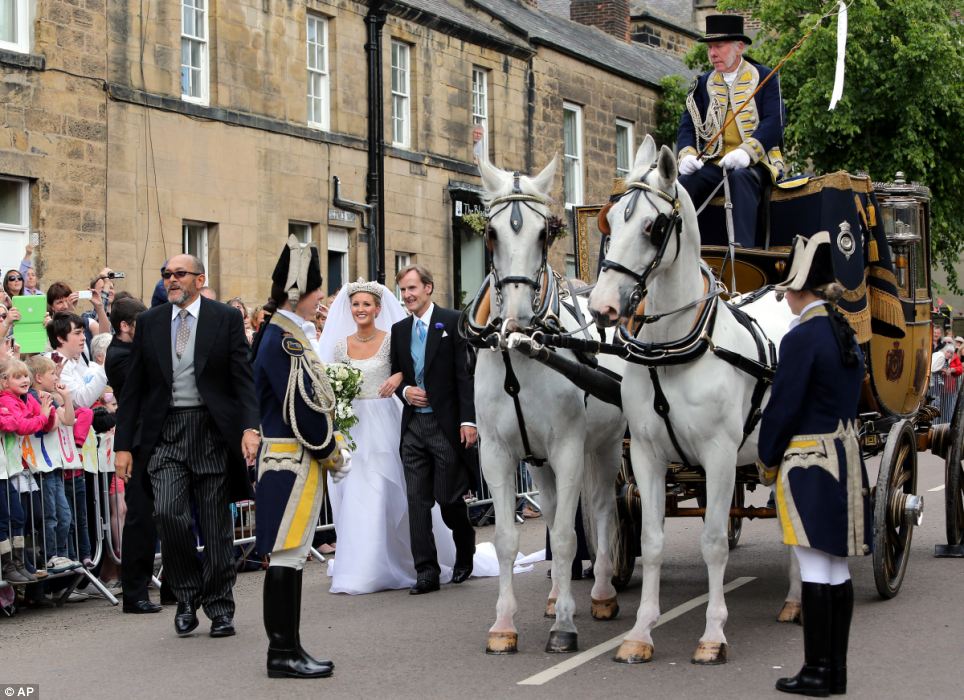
x=423, y=273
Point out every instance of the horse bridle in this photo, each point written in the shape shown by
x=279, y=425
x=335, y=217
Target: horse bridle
x=660, y=233
x=514, y=202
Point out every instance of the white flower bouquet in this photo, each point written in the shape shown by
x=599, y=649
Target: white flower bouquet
x=346, y=382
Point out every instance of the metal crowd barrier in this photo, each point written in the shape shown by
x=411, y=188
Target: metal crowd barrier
x=526, y=492
x=943, y=394
x=26, y=463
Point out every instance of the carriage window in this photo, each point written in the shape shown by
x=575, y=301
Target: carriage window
x=572, y=147
x=920, y=271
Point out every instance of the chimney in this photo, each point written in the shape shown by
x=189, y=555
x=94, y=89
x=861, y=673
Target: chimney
x=612, y=16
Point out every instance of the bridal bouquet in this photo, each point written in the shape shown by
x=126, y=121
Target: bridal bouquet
x=346, y=382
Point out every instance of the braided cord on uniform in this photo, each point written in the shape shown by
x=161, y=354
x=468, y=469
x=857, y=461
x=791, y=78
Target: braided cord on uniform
x=705, y=128
x=323, y=402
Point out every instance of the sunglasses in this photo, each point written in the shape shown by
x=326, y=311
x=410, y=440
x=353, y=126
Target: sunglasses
x=15, y=279
x=180, y=274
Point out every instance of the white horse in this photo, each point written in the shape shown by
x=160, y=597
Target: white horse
x=652, y=252
x=558, y=424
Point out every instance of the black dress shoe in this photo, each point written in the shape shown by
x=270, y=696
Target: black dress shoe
x=222, y=626
x=141, y=607
x=423, y=585
x=185, y=620
x=461, y=573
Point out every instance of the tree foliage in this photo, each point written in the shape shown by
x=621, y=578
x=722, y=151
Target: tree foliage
x=669, y=108
x=902, y=106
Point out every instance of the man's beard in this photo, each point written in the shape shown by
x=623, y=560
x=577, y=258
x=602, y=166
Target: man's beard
x=178, y=296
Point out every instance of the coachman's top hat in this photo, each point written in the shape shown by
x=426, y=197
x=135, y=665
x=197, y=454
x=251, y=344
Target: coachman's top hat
x=725, y=28
x=810, y=264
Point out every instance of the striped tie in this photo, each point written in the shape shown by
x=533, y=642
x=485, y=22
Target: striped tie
x=183, y=333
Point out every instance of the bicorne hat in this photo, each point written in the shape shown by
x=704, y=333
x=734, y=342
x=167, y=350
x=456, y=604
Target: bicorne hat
x=298, y=271
x=810, y=264
x=725, y=28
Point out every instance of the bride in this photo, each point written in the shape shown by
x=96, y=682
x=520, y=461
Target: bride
x=369, y=505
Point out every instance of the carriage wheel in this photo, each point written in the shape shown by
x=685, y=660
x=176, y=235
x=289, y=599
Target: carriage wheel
x=734, y=526
x=892, y=530
x=954, y=476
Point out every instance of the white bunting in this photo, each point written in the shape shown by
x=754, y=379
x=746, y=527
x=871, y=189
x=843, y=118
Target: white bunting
x=838, y=78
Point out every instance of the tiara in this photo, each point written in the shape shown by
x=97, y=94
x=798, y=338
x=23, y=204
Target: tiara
x=361, y=285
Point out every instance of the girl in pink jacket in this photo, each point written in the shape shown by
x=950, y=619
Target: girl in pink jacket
x=21, y=414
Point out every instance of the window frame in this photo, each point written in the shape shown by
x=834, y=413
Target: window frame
x=323, y=75
x=402, y=260
x=204, y=77
x=23, y=228
x=22, y=35
x=204, y=238
x=403, y=98
x=630, y=142
x=480, y=99
x=307, y=227
x=577, y=157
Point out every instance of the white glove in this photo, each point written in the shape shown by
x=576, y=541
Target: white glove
x=735, y=159
x=689, y=165
x=342, y=472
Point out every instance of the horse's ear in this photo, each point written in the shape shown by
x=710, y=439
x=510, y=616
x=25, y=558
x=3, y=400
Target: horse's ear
x=645, y=155
x=543, y=181
x=493, y=179
x=666, y=168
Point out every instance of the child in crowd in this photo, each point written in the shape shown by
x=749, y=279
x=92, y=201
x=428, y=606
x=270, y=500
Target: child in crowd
x=57, y=515
x=20, y=414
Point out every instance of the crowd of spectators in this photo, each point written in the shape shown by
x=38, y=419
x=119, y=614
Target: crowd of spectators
x=57, y=415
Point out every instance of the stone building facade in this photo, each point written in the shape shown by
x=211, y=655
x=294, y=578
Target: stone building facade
x=216, y=127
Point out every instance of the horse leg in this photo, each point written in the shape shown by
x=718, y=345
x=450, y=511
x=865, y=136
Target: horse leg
x=720, y=480
x=790, y=612
x=567, y=466
x=545, y=481
x=637, y=647
x=601, y=469
x=499, y=469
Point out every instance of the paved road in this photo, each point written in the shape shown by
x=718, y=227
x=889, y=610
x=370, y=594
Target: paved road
x=392, y=645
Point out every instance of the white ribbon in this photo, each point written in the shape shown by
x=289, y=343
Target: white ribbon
x=838, y=78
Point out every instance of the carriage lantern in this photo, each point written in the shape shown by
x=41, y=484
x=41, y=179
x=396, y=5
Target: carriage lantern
x=904, y=215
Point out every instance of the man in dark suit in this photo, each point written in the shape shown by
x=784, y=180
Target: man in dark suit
x=438, y=423
x=191, y=414
x=139, y=537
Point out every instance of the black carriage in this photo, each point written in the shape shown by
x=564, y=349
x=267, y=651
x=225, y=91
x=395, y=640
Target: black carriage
x=882, y=257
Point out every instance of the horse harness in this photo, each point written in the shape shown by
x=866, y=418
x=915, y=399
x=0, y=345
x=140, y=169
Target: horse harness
x=694, y=344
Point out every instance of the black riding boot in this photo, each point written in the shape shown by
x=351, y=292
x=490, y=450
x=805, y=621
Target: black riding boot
x=842, y=609
x=282, y=615
x=814, y=677
x=325, y=662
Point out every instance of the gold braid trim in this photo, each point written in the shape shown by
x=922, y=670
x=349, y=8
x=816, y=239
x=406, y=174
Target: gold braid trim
x=883, y=274
x=872, y=253
x=857, y=294
x=860, y=322
x=887, y=308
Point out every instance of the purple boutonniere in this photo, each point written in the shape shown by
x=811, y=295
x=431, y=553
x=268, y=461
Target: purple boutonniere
x=439, y=326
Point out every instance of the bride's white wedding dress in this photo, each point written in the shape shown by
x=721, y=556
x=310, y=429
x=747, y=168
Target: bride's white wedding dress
x=370, y=505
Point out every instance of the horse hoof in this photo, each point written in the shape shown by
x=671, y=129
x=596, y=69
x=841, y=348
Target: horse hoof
x=605, y=609
x=562, y=642
x=633, y=652
x=550, y=608
x=502, y=643
x=710, y=653
x=790, y=612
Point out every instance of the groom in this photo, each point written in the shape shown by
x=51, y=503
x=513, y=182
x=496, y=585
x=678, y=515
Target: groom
x=438, y=423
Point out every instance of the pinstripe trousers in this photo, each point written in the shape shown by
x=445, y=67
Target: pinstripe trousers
x=189, y=466
x=433, y=472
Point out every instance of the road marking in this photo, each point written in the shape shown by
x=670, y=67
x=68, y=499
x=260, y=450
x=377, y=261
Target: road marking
x=936, y=488
x=579, y=659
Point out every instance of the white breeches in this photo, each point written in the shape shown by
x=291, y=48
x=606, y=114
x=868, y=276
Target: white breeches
x=819, y=567
x=293, y=558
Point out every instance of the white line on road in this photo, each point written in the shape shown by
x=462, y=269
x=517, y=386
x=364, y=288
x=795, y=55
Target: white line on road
x=590, y=654
x=936, y=488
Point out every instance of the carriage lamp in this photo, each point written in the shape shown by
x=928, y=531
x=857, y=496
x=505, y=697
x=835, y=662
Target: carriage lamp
x=903, y=212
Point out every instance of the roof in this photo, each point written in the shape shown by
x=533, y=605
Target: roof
x=679, y=12
x=444, y=15
x=634, y=61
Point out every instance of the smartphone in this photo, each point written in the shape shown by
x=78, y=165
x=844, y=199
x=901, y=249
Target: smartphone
x=85, y=294
x=116, y=275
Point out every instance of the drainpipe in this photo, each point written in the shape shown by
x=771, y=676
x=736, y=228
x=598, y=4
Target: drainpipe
x=367, y=214
x=375, y=182
x=530, y=115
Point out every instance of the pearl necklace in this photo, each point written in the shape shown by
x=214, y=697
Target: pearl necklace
x=366, y=339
